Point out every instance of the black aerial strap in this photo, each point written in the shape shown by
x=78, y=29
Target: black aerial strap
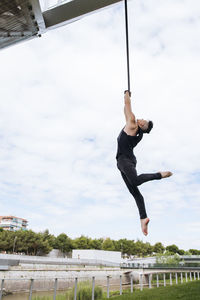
x=127, y=45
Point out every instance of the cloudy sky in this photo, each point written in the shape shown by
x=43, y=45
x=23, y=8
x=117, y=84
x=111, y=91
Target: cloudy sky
x=61, y=110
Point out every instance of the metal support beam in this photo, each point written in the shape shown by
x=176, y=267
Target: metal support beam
x=149, y=280
x=108, y=286
x=141, y=282
x=21, y=20
x=164, y=279
x=75, y=288
x=131, y=283
x=186, y=277
x=73, y=11
x=120, y=284
x=38, y=15
x=93, y=287
x=31, y=289
x=1, y=291
x=55, y=288
x=170, y=278
x=157, y=280
x=181, y=277
x=176, y=275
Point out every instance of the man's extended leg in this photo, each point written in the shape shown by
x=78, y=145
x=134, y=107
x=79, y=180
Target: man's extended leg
x=152, y=176
x=140, y=204
x=142, y=178
x=133, y=189
x=132, y=180
x=128, y=168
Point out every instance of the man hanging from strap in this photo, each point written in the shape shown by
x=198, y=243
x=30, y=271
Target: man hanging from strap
x=128, y=138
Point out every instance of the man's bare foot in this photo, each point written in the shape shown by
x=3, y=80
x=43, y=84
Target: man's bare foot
x=166, y=174
x=144, y=225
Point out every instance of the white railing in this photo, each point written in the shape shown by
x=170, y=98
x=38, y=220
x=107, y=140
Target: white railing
x=178, y=276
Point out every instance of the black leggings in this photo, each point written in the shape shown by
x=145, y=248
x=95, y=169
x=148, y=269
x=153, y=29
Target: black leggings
x=132, y=180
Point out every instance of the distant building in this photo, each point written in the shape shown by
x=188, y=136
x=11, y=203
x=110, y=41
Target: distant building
x=12, y=223
x=110, y=256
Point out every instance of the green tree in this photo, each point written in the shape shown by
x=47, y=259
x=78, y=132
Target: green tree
x=32, y=242
x=181, y=252
x=147, y=249
x=158, y=248
x=125, y=246
x=188, y=253
x=43, y=245
x=63, y=243
x=168, y=259
x=139, y=248
x=194, y=252
x=82, y=242
x=172, y=248
x=4, y=240
x=108, y=245
x=96, y=244
x=49, y=237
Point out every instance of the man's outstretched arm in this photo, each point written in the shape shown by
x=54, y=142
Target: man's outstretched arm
x=130, y=117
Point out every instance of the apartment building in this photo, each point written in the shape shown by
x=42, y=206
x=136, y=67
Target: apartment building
x=12, y=223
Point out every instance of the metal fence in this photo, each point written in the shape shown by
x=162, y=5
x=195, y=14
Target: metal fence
x=186, y=266
x=149, y=280
x=15, y=260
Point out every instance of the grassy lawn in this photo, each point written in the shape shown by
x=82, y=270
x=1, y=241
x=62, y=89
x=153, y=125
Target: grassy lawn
x=185, y=291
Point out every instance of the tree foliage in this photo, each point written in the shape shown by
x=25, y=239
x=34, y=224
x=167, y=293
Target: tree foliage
x=158, y=248
x=32, y=243
x=168, y=259
x=194, y=252
x=27, y=242
x=63, y=243
x=172, y=248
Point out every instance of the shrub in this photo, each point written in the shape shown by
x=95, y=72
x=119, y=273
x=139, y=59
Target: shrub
x=84, y=292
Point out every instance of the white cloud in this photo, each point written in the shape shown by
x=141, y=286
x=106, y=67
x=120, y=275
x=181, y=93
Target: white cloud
x=61, y=110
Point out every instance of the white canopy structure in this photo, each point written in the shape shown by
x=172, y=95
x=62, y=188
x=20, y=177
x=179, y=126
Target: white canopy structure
x=24, y=19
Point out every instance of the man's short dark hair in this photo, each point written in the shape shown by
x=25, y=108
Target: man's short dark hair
x=150, y=126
